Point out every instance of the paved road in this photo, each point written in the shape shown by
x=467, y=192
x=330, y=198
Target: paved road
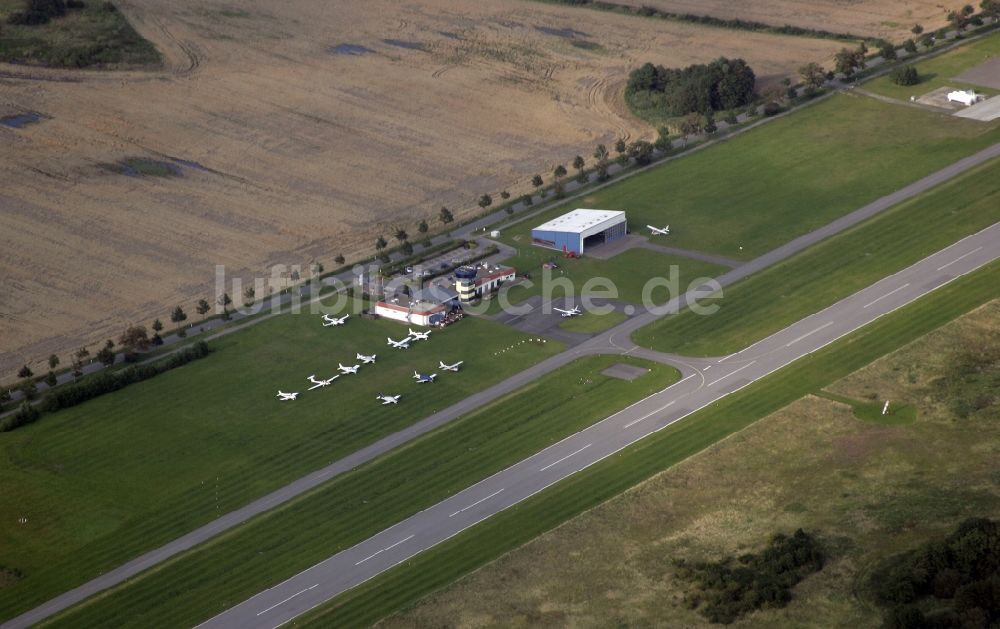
x=702, y=386
x=615, y=340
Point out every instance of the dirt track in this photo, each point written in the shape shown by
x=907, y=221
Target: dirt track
x=296, y=152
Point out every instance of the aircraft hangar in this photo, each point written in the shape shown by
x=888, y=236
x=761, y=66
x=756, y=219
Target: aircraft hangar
x=581, y=228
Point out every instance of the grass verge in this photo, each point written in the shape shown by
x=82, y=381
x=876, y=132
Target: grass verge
x=356, y=505
x=621, y=277
x=808, y=282
x=590, y=323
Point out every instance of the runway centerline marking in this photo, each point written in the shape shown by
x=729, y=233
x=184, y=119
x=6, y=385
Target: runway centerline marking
x=941, y=268
x=476, y=502
x=892, y=292
x=287, y=599
x=731, y=373
x=383, y=550
x=808, y=334
x=564, y=458
x=636, y=421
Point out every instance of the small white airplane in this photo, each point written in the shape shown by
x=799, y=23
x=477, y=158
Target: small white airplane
x=286, y=397
x=422, y=377
x=366, y=359
x=404, y=344
x=659, y=232
x=322, y=383
x=388, y=399
x=454, y=367
x=351, y=369
x=334, y=320
x=419, y=336
x=569, y=313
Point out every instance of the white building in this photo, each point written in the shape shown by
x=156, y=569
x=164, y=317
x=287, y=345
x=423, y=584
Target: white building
x=962, y=96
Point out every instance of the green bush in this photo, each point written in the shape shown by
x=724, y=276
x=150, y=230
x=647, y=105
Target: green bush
x=954, y=582
x=725, y=590
x=26, y=413
x=103, y=382
x=904, y=75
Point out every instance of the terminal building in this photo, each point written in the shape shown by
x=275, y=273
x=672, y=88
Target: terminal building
x=579, y=229
x=474, y=282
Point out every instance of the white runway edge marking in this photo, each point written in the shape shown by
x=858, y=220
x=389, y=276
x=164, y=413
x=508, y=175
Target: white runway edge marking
x=808, y=334
x=636, y=421
x=941, y=268
x=890, y=293
x=287, y=599
x=476, y=502
x=731, y=373
x=564, y=458
x=383, y=550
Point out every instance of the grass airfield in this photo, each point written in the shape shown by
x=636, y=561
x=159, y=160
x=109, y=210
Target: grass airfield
x=101, y=482
x=376, y=495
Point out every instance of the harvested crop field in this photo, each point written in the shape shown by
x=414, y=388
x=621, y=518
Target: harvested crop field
x=283, y=133
x=870, y=18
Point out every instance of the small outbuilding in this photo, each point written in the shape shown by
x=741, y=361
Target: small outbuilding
x=966, y=97
x=575, y=231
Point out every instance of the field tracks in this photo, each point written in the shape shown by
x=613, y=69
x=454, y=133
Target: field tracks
x=597, y=100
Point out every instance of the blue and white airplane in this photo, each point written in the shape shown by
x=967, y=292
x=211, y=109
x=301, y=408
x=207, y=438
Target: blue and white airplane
x=422, y=377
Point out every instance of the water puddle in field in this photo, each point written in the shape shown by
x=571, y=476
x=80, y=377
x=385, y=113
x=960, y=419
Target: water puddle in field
x=19, y=121
x=402, y=43
x=567, y=32
x=142, y=167
x=189, y=164
x=350, y=49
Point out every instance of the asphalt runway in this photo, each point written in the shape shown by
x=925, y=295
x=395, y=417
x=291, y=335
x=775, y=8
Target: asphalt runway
x=702, y=385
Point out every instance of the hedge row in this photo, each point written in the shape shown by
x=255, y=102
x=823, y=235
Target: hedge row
x=103, y=382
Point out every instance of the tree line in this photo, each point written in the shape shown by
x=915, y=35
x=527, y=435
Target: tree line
x=103, y=382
